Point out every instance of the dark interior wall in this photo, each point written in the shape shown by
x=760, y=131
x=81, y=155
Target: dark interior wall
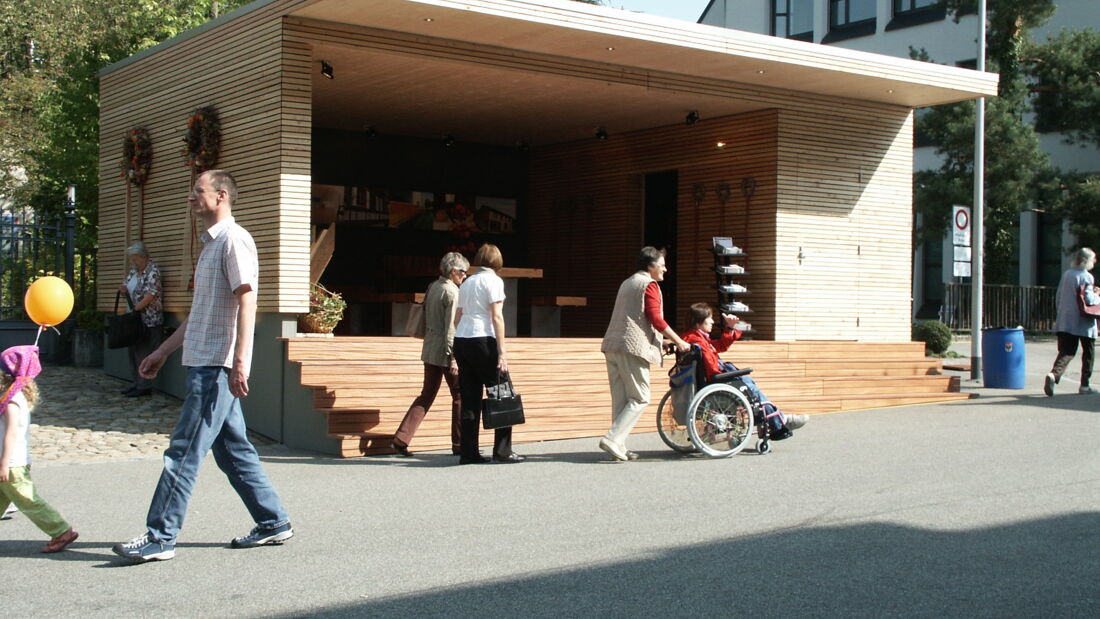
x=376, y=259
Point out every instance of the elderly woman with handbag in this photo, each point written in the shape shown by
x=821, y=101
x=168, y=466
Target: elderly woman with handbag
x=440, y=304
x=1073, y=326
x=480, y=352
x=143, y=288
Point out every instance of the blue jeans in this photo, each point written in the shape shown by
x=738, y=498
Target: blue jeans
x=210, y=419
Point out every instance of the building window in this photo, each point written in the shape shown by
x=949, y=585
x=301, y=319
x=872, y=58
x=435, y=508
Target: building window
x=793, y=19
x=909, y=13
x=850, y=18
x=908, y=6
x=847, y=12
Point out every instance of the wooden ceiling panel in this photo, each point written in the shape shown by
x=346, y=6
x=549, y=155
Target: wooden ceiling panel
x=411, y=95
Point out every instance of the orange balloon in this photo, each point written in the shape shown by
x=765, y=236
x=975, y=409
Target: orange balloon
x=48, y=301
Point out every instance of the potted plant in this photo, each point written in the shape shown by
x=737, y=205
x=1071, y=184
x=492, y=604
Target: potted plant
x=88, y=338
x=326, y=309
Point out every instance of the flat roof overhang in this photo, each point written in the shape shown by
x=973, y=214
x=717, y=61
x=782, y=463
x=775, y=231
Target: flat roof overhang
x=545, y=71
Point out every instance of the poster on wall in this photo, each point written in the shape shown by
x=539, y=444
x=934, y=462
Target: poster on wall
x=495, y=215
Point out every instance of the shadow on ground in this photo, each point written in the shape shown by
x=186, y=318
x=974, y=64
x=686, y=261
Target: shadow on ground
x=1046, y=567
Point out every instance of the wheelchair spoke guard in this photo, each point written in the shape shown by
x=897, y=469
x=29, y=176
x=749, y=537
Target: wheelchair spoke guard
x=720, y=420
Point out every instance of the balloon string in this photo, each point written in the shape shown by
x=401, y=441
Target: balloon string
x=42, y=328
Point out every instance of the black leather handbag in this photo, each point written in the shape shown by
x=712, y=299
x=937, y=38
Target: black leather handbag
x=124, y=329
x=503, y=407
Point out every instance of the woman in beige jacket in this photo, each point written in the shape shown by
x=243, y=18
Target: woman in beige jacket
x=440, y=303
x=631, y=344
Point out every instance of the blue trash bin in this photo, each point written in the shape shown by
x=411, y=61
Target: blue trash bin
x=1003, y=360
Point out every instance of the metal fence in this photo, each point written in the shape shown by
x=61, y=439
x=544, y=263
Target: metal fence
x=32, y=246
x=1030, y=307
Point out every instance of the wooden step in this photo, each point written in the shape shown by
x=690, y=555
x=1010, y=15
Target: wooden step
x=365, y=385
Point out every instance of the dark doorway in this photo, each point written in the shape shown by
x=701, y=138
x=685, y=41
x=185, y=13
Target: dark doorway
x=660, y=231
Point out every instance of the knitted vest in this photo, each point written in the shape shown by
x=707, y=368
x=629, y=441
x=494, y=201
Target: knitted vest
x=629, y=331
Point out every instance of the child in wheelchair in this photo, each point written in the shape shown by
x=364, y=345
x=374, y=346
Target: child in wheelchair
x=701, y=321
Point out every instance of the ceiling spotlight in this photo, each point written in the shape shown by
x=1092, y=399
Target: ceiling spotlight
x=428, y=19
x=601, y=134
x=691, y=118
x=326, y=69
x=720, y=145
x=448, y=140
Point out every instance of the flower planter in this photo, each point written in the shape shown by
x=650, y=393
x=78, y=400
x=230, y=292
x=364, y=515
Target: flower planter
x=309, y=323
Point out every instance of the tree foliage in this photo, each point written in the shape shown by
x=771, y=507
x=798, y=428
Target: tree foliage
x=1018, y=172
x=1051, y=81
x=51, y=52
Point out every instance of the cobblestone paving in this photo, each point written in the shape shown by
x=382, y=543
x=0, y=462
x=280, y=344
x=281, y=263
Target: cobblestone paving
x=82, y=416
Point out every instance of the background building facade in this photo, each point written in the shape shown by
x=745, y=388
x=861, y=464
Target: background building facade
x=894, y=27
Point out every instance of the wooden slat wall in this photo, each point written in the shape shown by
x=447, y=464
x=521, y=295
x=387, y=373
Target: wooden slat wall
x=832, y=184
x=587, y=212
x=262, y=91
x=844, y=225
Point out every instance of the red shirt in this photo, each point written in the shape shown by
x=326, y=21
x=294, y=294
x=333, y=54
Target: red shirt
x=653, y=309
x=711, y=347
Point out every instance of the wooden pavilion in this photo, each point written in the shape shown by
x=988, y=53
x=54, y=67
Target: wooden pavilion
x=416, y=126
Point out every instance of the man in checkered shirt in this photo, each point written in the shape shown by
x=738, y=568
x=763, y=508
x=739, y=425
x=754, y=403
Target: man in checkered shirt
x=217, y=351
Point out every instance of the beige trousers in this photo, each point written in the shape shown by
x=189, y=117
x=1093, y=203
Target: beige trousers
x=629, y=379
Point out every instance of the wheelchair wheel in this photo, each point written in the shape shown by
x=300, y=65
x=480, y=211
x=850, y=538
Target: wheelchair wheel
x=720, y=420
x=672, y=433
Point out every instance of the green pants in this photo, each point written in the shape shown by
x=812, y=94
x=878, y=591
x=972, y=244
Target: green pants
x=19, y=489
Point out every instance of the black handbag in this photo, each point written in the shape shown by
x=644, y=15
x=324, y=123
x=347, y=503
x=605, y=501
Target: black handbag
x=124, y=329
x=503, y=407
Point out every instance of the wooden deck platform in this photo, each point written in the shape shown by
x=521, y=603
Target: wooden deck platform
x=364, y=385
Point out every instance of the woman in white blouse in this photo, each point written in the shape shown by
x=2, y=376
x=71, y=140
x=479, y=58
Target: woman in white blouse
x=480, y=352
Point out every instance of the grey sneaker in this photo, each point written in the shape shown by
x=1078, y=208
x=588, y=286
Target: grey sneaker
x=616, y=451
x=1086, y=389
x=144, y=548
x=630, y=455
x=795, y=422
x=260, y=536
x=1048, y=385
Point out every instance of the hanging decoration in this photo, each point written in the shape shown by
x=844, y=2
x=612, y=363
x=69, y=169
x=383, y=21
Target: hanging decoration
x=204, y=139
x=137, y=156
x=137, y=161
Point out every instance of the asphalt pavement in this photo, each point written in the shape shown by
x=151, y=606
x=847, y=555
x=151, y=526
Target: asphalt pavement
x=983, y=508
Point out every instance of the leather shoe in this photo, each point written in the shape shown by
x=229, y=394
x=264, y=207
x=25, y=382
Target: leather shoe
x=137, y=393
x=401, y=450
x=511, y=458
x=473, y=460
x=127, y=391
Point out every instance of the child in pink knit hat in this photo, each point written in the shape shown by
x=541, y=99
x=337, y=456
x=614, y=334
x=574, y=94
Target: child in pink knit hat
x=18, y=367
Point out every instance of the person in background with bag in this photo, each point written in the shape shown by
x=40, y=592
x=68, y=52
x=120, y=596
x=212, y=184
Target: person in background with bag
x=1073, y=326
x=143, y=287
x=480, y=353
x=631, y=344
x=440, y=305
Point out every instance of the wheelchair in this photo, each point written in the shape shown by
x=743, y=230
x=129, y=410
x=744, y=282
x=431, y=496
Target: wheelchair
x=715, y=417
